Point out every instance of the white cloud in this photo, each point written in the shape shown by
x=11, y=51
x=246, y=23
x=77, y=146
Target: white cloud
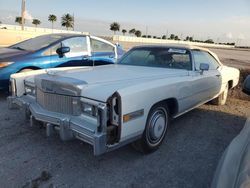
x=28, y=16
x=10, y=17
x=241, y=36
x=229, y=35
x=242, y=20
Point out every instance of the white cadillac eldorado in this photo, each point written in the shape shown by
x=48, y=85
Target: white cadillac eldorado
x=131, y=101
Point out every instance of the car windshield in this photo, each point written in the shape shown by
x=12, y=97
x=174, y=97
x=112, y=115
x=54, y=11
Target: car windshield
x=176, y=58
x=36, y=43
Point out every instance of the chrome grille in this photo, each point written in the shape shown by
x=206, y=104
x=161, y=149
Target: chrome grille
x=56, y=103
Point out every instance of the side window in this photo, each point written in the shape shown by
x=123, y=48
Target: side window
x=182, y=61
x=78, y=46
x=52, y=50
x=175, y=59
x=204, y=57
x=99, y=46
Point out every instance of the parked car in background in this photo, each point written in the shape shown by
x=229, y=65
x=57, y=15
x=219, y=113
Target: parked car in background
x=56, y=50
x=132, y=102
x=233, y=170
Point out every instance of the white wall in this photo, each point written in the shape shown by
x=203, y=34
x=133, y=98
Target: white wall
x=130, y=39
x=38, y=29
x=11, y=34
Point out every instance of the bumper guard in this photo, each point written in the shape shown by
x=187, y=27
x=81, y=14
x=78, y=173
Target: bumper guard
x=69, y=127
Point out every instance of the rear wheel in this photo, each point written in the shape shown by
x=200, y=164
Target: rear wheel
x=222, y=98
x=155, y=130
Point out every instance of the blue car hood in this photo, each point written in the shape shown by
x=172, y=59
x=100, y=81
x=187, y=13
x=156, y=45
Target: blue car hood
x=8, y=53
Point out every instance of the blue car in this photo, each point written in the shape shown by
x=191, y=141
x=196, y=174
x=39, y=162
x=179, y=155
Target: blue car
x=56, y=50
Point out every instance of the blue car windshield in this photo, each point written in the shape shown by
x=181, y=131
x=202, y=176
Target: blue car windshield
x=175, y=58
x=36, y=43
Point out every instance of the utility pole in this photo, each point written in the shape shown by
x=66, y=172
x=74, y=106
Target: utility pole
x=22, y=13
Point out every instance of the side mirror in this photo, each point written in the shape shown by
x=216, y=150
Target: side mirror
x=63, y=50
x=204, y=67
x=246, y=85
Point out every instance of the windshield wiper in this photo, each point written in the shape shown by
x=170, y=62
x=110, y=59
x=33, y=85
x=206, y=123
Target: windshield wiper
x=17, y=47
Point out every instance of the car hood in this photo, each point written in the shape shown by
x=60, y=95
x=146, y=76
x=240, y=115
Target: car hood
x=101, y=82
x=8, y=53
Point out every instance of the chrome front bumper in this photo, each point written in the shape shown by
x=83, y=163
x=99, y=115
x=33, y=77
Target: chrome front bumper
x=68, y=126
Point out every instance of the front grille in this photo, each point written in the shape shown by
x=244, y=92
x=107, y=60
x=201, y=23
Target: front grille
x=55, y=102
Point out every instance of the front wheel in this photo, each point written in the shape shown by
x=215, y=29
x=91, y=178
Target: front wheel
x=222, y=98
x=155, y=130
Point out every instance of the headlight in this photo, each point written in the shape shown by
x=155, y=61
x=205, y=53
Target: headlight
x=5, y=64
x=89, y=109
x=30, y=90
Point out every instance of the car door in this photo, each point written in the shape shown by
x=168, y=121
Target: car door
x=79, y=54
x=102, y=52
x=206, y=84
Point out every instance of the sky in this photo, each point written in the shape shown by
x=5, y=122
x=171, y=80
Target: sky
x=221, y=20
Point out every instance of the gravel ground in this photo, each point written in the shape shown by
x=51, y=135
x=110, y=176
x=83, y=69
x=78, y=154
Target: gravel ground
x=187, y=158
x=239, y=58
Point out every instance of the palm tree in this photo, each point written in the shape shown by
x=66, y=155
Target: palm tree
x=176, y=37
x=164, y=37
x=36, y=22
x=124, y=31
x=138, y=33
x=115, y=27
x=132, y=31
x=209, y=41
x=52, y=18
x=172, y=36
x=67, y=21
x=187, y=38
x=18, y=20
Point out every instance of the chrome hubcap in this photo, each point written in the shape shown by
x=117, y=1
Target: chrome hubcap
x=157, y=126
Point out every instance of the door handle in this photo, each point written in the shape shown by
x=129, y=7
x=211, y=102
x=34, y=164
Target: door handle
x=218, y=75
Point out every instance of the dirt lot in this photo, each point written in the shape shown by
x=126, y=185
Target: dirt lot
x=234, y=57
x=187, y=158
